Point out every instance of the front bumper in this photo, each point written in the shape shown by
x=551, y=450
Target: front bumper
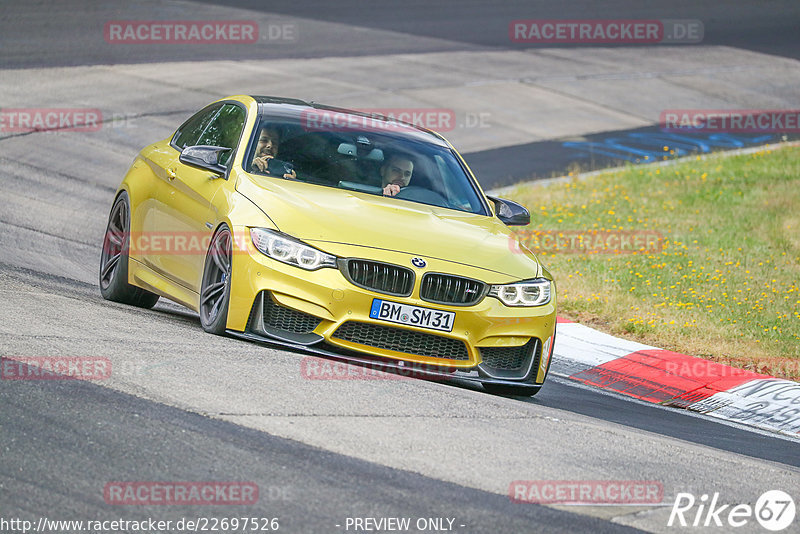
x=424, y=372
x=324, y=313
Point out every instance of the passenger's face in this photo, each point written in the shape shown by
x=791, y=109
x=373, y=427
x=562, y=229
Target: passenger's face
x=267, y=143
x=397, y=171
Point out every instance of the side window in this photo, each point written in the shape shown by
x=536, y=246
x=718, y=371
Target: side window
x=224, y=130
x=190, y=132
x=218, y=126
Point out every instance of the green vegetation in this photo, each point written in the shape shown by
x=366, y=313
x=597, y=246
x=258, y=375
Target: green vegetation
x=723, y=284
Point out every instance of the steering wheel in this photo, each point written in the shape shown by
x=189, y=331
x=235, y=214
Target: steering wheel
x=421, y=194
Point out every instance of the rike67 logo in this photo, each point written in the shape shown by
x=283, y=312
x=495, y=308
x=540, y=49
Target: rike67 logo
x=774, y=510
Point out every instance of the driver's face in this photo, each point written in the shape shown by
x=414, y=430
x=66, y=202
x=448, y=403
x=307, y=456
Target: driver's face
x=267, y=143
x=397, y=171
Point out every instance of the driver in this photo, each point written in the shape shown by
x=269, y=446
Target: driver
x=267, y=148
x=395, y=174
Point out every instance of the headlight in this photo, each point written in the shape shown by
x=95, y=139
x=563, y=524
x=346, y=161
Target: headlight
x=283, y=248
x=527, y=293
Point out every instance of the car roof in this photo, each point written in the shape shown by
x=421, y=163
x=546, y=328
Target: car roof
x=294, y=108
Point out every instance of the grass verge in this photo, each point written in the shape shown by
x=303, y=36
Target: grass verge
x=701, y=257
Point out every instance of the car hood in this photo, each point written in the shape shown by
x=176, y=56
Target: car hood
x=319, y=215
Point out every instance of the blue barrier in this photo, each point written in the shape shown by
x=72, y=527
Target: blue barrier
x=635, y=146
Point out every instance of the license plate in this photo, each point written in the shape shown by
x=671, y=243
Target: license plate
x=395, y=312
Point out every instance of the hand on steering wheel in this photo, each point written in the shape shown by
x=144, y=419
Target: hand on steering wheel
x=391, y=190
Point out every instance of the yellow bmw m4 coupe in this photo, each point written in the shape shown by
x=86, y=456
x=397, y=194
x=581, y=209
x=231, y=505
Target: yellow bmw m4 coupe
x=349, y=235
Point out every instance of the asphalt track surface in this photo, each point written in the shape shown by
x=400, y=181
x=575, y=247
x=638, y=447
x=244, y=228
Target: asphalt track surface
x=65, y=439
x=188, y=406
x=61, y=34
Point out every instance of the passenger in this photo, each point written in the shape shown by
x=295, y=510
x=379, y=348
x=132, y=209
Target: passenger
x=267, y=148
x=395, y=174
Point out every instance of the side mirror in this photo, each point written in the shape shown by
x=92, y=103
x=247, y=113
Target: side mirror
x=204, y=157
x=510, y=212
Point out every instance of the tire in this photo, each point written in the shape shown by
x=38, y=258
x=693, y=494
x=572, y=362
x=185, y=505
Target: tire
x=517, y=391
x=114, y=259
x=215, y=290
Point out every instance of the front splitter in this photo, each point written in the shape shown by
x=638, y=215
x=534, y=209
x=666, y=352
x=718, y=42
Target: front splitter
x=423, y=372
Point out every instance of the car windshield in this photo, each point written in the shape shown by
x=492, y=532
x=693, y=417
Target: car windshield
x=362, y=159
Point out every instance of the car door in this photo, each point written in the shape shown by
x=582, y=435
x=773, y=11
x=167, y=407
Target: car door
x=188, y=216
x=152, y=248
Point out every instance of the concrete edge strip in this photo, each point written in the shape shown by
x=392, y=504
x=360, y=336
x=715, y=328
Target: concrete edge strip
x=678, y=380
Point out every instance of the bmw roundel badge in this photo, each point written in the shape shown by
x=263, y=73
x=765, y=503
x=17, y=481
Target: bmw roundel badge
x=419, y=263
